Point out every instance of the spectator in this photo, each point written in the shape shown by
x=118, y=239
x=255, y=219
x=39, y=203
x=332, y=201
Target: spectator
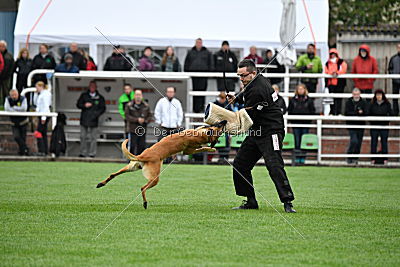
x=335, y=66
x=42, y=100
x=138, y=115
x=6, y=75
x=125, y=98
x=380, y=106
x=198, y=59
x=93, y=106
x=68, y=65
x=355, y=106
x=1, y=63
x=364, y=63
x=394, y=68
x=253, y=56
x=301, y=104
x=276, y=67
x=89, y=62
x=77, y=58
x=22, y=67
x=309, y=63
x=169, y=61
x=279, y=101
x=146, y=63
x=17, y=103
x=118, y=61
x=225, y=60
x=43, y=60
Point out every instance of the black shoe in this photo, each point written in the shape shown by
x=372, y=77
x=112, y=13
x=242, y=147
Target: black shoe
x=288, y=206
x=82, y=156
x=246, y=205
x=92, y=156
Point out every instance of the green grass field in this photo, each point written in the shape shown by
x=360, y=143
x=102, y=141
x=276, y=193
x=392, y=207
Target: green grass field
x=51, y=213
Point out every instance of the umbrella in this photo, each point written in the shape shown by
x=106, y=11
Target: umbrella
x=287, y=31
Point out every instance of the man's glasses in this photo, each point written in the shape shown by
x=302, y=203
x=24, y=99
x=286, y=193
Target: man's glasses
x=244, y=75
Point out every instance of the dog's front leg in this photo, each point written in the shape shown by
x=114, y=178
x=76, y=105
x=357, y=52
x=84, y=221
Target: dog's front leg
x=205, y=149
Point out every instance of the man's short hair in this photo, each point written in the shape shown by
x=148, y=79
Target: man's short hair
x=128, y=84
x=356, y=90
x=12, y=90
x=171, y=87
x=249, y=64
x=199, y=39
x=311, y=44
x=3, y=42
x=93, y=81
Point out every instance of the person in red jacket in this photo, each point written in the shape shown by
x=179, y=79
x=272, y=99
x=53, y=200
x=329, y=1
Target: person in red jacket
x=335, y=66
x=364, y=63
x=253, y=56
x=1, y=62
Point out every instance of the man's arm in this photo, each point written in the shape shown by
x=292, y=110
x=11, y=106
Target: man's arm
x=187, y=62
x=80, y=103
x=157, y=112
x=22, y=108
x=129, y=117
x=121, y=107
x=179, y=112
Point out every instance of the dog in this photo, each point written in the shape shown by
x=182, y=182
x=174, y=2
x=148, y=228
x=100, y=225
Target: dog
x=150, y=160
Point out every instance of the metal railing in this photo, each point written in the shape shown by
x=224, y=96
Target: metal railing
x=53, y=115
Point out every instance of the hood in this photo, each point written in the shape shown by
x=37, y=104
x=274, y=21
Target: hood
x=334, y=50
x=366, y=47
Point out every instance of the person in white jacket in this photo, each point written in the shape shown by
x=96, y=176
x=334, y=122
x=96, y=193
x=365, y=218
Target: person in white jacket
x=42, y=100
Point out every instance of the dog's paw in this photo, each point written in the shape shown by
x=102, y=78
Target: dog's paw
x=145, y=205
x=100, y=185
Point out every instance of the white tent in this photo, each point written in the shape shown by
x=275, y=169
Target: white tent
x=162, y=23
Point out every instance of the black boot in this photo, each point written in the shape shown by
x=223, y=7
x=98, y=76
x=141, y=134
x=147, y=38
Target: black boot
x=288, y=206
x=249, y=204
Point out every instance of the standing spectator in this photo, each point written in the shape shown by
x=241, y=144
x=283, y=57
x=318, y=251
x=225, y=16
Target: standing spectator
x=301, y=104
x=225, y=60
x=146, y=63
x=17, y=103
x=118, y=61
x=68, y=65
x=335, y=66
x=276, y=67
x=77, y=58
x=43, y=60
x=310, y=63
x=1, y=63
x=380, y=106
x=279, y=100
x=169, y=61
x=394, y=68
x=364, y=63
x=6, y=75
x=198, y=59
x=125, y=98
x=89, y=62
x=355, y=106
x=93, y=106
x=42, y=100
x=138, y=115
x=22, y=67
x=253, y=56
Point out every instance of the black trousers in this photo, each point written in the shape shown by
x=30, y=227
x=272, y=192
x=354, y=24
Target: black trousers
x=19, y=133
x=311, y=86
x=199, y=84
x=137, y=143
x=42, y=143
x=356, y=138
x=230, y=84
x=253, y=148
x=384, y=134
x=395, y=90
x=336, y=108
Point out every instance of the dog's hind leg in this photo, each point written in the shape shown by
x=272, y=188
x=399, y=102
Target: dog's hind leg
x=132, y=166
x=151, y=170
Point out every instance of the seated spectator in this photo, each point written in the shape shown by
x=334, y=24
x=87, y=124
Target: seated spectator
x=68, y=65
x=146, y=63
x=335, y=66
x=77, y=58
x=380, y=106
x=93, y=105
x=89, y=62
x=225, y=60
x=278, y=68
x=279, y=101
x=42, y=100
x=118, y=61
x=301, y=104
x=22, y=67
x=253, y=56
x=170, y=62
x=6, y=75
x=43, y=60
x=364, y=63
x=17, y=103
x=355, y=106
x=138, y=115
x=394, y=68
x=309, y=63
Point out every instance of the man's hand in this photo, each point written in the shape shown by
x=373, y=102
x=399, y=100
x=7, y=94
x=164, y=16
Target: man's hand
x=309, y=66
x=334, y=74
x=231, y=98
x=88, y=105
x=141, y=120
x=360, y=111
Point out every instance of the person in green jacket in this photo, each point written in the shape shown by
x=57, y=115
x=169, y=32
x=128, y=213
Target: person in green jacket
x=310, y=63
x=126, y=97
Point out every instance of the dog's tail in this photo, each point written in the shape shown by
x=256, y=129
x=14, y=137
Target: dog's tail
x=126, y=152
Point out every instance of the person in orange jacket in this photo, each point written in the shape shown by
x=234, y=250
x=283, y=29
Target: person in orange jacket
x=364, y=63
x=335, y=66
